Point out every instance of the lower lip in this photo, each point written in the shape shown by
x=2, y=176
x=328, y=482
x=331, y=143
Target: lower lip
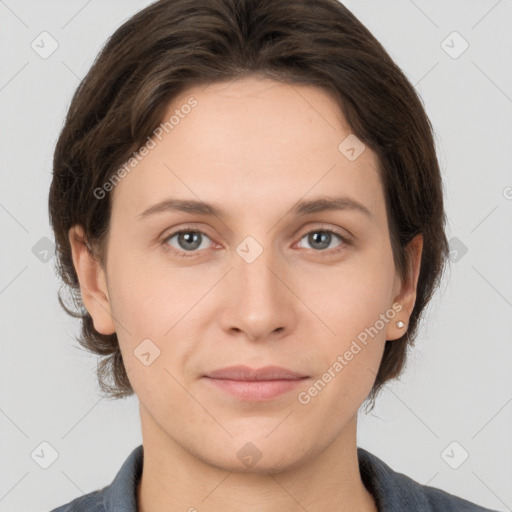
x=255, y=390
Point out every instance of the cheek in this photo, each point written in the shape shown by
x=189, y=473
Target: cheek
x=148, y=295
x=140, y=317
x=355, y=305
x=153, y=305
x=350, y=355
x=352, y=296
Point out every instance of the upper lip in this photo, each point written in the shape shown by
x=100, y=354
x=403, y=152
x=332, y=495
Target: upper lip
x=249, y=374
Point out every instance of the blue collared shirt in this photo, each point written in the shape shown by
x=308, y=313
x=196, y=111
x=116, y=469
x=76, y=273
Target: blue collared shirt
x=392, y=491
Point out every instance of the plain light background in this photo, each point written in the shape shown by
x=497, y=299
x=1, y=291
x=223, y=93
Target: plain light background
x=457, y=387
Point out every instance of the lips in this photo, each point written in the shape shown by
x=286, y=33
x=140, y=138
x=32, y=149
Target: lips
x=244, y=373
x=255, y=385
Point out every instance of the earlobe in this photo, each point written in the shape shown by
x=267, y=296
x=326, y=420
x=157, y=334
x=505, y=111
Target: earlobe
x=406, y=295
x=93, y=285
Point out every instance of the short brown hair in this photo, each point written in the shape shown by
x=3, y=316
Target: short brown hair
x=172, y=45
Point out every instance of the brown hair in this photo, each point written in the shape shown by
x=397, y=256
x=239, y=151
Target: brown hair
x=172, y=45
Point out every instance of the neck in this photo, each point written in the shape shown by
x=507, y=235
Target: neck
x=174, y=478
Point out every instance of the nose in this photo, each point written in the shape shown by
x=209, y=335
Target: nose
x=260, y=301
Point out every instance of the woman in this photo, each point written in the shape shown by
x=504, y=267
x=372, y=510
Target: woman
x=248, y=204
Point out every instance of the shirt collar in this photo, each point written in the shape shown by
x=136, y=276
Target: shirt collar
x=121, y=494
x=391, y=491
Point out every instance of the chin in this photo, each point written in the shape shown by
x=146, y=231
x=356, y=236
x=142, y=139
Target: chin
x=255, y=454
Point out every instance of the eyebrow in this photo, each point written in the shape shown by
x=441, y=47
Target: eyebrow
x=302, y=208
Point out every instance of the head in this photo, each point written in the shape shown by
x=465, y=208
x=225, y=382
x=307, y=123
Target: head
x=258, y=109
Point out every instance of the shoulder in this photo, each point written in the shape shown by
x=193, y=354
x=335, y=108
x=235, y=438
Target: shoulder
x=442, y=500
x=92, y=502
x=121, y=494
x=397, y=492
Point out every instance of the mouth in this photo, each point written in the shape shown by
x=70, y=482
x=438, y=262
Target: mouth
x=255, y=384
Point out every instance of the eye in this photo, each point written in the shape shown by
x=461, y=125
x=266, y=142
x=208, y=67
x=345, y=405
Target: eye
x=187, y=240
x=320, y=239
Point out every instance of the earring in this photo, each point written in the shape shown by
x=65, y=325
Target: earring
x=400, y=324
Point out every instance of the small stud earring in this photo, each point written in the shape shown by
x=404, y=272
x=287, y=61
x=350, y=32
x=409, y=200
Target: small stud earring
x=400, y=324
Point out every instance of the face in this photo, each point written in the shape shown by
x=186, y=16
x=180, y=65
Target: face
x=271, y=278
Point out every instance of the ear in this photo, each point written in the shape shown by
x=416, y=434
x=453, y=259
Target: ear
x=405, y=290
x=93, y=284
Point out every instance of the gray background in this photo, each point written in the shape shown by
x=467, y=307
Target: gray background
x=458, y=382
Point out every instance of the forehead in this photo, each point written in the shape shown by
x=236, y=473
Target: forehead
x=250, y=142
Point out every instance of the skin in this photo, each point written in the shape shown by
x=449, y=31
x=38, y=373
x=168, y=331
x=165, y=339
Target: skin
x=253, y=147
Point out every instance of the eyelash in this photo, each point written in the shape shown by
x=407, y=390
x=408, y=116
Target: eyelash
x=191, y=254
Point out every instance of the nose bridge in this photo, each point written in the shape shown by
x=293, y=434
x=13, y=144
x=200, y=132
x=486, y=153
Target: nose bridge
x=256, y=270
x=256, y=274
x=261, y=301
